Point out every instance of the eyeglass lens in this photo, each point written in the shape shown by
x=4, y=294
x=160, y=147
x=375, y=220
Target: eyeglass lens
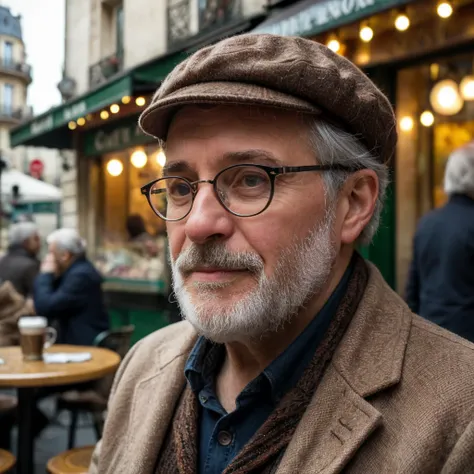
x=243, y=190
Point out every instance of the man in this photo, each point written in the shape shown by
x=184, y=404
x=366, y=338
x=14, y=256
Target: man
x=295, y=356
x=20, y=264
x=69, y=290
x=440, y=284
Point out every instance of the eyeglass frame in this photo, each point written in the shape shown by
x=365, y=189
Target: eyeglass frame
x=272, y=172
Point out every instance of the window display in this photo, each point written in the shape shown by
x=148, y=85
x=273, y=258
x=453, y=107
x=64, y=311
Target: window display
x=133, y=243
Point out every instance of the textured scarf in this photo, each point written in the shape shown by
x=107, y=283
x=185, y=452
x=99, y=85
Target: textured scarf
x=263, y=453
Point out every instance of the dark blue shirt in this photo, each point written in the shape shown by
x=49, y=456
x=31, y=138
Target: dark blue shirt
x=222, y=435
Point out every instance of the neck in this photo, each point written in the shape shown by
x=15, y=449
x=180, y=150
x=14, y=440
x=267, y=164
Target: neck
x=246, y=360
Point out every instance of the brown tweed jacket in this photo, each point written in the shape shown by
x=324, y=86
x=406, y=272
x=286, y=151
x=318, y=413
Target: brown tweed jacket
x=397, y=398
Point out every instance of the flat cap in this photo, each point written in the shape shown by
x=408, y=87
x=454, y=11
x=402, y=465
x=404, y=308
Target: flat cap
x=283, y=72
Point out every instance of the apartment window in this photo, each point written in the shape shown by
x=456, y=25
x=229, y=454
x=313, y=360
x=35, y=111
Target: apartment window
x=119, y=29
x=7, y=53
x=8, y=98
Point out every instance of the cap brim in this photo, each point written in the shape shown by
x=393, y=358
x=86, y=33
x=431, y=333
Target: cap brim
x=156, y=119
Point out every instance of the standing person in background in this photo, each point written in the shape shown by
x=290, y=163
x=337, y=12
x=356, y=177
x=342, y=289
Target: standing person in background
x=20, y=265
x=441, y=279
x=68, y=290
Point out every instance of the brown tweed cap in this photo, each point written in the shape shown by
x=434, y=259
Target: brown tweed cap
x=282, y=72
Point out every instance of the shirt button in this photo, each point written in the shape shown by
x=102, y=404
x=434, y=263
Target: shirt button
x=203, y=398
x=224, y=438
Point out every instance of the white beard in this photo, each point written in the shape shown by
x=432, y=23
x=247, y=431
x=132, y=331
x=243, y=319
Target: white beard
x=302, y=272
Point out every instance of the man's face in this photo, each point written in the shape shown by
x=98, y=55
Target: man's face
x=61, y=258
x=239, y=277
x=33, y=244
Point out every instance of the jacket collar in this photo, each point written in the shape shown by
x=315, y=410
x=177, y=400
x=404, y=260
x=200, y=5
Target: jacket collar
x=370, y=356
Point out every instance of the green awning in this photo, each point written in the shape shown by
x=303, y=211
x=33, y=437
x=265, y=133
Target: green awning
x=50, y=128
x=312, y=17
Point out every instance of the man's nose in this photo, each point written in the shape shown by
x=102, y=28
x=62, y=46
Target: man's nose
x=208, y=218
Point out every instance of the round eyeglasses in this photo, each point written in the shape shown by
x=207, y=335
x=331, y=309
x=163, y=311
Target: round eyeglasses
x=244, y=190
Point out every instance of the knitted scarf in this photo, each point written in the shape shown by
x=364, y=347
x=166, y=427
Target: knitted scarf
x=263, y=453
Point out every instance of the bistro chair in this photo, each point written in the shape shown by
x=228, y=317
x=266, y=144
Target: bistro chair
x=75, y=461
x=94, y=401
x=7, y=461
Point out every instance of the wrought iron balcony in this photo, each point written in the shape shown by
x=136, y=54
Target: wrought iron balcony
x=216, y=13
x=16, y=68
x=179, y=20
x=106, y=68
x=211, y=14
x=15, y=115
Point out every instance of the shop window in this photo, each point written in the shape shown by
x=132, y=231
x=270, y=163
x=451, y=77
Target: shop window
x=127, y=250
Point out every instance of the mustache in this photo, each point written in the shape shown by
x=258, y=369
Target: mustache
x=215, y=254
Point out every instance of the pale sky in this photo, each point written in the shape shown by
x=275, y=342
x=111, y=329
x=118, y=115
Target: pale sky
x=43, y=34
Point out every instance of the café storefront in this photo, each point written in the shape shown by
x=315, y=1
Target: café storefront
x=421, y=54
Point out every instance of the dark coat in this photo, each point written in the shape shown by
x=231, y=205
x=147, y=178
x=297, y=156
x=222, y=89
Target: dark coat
x=74, y=301
x=441, y=279
x=20, y=269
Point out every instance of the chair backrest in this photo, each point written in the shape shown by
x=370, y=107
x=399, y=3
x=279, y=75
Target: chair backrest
x=117, y=340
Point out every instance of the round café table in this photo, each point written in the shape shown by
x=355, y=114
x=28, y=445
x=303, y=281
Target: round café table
x=26, y=376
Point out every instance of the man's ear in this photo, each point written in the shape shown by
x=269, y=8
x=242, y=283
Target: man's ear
x=361, y=190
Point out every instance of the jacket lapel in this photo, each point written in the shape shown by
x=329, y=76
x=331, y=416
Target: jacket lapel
x=153, y=406
x=368, y=360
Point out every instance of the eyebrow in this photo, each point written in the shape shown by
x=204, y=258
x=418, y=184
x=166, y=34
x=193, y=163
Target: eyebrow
x=252, y=156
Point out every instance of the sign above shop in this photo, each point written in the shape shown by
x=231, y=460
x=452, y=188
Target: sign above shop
x=36, y=168
x=114, y=137
x=309, y=18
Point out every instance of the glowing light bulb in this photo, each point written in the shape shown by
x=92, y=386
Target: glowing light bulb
x=402, y=22
x=161, y=158
x=81, y=121
x=138, y=158
x=72, y=125
x=427, y=118
x=140, y=101
x=444, y=10
x=366, y=34
x=114, y=167
x=467, y=88
x=334, y=45
x=104, y=115
x=406, y=124
x=126, y=99
x=115, y=108
x=445, y=98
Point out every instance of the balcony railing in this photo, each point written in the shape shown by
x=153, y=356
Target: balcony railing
x=216, y=13
x=15, y=114
x=179, y=20
x=106, y=68
x=15, y=67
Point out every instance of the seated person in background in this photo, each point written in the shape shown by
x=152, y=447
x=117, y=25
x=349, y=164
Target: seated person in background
x=20, y=264
x=68, y=290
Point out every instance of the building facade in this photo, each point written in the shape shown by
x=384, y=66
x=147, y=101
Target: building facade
x=15, y=76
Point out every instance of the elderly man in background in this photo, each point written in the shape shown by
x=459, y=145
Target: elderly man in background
x=295, y=356
x=68, y=290
x=20, y=265
x=440, y=284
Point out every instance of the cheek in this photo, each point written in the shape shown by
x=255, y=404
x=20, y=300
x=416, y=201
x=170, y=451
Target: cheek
x=176, y=238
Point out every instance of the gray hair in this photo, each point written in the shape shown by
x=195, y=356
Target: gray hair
x=335, y=146
x=20, y=232
x=68, y=240
x=459, y=173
